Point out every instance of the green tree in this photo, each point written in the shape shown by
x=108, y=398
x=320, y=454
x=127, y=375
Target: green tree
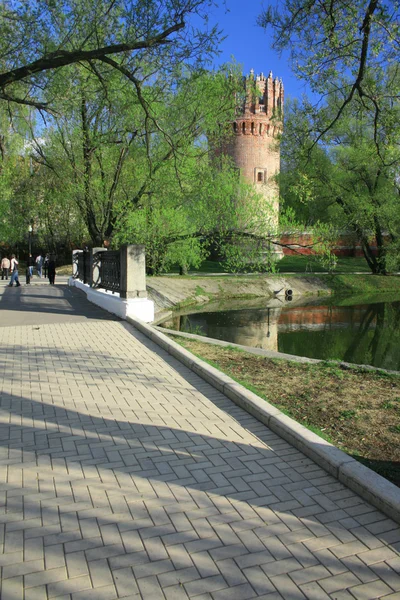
x=342, y=150
x=180, y=218
x=117, y=151
x=45, y=47
x=338, y=45
x=38, y=39
x=16, y=202
x=349, y=181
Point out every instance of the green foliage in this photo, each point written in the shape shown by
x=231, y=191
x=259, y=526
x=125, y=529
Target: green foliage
x=125, y=36
x=136, y=164
x=117, y=157
x=329, y=38
x=350, y=181
x=181, y=217
x=341, y=155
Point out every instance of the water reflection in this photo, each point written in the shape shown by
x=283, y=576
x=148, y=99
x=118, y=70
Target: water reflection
x=249, y=327
x=363, y=333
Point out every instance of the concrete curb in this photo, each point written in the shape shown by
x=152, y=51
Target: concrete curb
x=369, y=485
x=140, y=308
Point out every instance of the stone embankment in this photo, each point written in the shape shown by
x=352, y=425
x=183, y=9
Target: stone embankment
x=170, y=292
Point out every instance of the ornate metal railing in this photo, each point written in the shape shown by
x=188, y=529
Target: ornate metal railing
x=82, y=266
x=109, y=270
x=75, y=265
x=122, y=271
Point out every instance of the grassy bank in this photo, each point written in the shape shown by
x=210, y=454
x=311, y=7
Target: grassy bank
x=358, y=287
x=346, y=285
x=352, y=276
x=293, y=264
x=64, y=270
x=309, y=264
x=356, y=410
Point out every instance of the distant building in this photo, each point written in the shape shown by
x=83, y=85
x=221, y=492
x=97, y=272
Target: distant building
x=254, y=145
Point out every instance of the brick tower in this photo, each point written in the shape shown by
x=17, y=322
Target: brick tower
x=254, y=146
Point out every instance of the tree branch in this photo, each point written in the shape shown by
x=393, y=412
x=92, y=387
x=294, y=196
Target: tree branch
x=38, y=105
x=62, y=58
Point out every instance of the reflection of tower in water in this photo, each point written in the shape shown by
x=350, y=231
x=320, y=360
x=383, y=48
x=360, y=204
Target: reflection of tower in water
x=364, y=333
x=258, y=329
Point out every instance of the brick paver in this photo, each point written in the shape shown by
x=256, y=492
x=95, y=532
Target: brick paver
x=124, y=475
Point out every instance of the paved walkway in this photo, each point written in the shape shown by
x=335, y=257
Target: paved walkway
x=124, y=475
x=40, y=303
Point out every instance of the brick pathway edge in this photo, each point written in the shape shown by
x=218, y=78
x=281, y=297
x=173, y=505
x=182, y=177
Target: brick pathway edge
x=377, y=490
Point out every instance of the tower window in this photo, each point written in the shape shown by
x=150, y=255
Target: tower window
x=260, y=175
x=252, y=127
x=260, y=129
x=244, y=127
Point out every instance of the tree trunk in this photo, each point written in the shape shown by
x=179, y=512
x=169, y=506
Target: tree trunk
x=377, y=264
x=87, y=151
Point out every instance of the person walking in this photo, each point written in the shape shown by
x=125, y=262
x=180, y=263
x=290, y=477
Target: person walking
x=30, y=263
x=46, y=264
x=39, y=264
x=14, y=272
x=52, y=269
x=5, y=267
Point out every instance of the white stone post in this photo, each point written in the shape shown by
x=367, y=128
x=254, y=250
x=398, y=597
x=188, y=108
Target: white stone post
x=133, y=272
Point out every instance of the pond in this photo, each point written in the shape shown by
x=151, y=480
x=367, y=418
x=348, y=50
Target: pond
x=361, y=331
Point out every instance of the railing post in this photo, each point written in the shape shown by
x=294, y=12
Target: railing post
x=95, y=275
x=75, y=258
x=86, y=266
x=133, y=272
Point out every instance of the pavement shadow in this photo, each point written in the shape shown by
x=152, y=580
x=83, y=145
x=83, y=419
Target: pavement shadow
x=257, y=473
x=60, y=300
x=115, y=486
x=138, y=494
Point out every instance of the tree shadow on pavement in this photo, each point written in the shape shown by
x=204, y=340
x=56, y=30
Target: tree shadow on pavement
x=58, y=303
x=145, y=500
x=181, y=486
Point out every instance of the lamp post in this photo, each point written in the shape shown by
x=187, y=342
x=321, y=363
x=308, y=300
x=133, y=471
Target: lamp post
x=28, y=267
x=30, y=238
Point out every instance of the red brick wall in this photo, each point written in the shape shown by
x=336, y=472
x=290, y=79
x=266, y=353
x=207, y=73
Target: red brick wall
x=346, y=245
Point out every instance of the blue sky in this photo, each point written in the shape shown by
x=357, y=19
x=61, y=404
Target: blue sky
x=250, y=45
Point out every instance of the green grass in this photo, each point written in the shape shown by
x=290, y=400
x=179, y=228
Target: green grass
x=207, y=266
x=292, y=264
x=366, y=284
x=255, y=390
x=64, y=270
x=342, y=283
x=308, y=264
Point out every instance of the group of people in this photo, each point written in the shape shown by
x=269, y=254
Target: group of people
x=42, y=264
x=46, y=264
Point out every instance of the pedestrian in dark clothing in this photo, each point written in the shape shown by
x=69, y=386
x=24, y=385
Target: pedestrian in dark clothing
x=46, y=264
x=51, y=269
x=29, y=268
x=30, y=263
